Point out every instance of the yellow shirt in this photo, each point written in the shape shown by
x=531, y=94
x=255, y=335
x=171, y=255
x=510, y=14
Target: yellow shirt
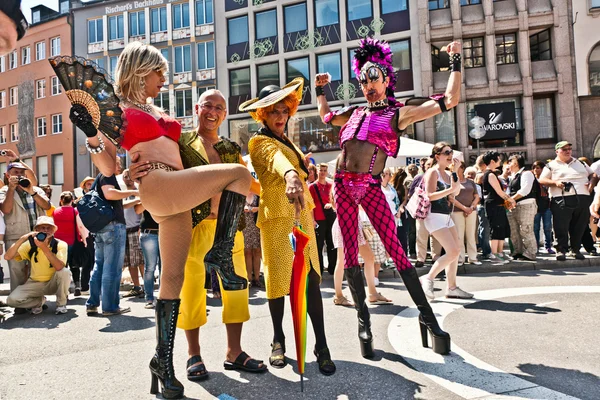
x=50, y=211
x=42, y=271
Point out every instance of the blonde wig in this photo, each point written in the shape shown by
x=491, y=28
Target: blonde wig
x=137, y=60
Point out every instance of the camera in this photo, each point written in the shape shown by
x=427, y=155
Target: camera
x=3, y=152
x=568, y=186
x=455, y=177
x=41, y=236
x=24, y=182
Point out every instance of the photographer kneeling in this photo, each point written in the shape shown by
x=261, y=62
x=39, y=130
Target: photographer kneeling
x=49, y=276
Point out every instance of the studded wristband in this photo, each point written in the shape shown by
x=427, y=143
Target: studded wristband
x=455, y=62
x=95, y=150
x=319, y=90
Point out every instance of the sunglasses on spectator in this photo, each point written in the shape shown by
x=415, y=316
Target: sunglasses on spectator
x=447, y=152
x=566, y=148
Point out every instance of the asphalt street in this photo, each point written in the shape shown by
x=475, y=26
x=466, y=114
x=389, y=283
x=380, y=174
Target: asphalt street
x=527, y=334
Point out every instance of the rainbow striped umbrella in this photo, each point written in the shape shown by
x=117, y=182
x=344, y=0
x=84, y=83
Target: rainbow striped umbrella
x=298, y=287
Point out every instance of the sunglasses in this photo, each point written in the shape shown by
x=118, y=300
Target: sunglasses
x=447, y=152
x=567, y=149
x=372, y=73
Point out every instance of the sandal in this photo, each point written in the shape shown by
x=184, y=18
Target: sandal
x=379, y=299
x=342, y=301
x=277, y=358
x=244, y=362
x=326, y=366
x=196, y=370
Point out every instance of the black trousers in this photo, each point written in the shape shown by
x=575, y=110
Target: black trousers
x=402, y=232
x=569, y=219
x=323, y=232
x=411, y=226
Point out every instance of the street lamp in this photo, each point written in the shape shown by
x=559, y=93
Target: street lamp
x=478, y=130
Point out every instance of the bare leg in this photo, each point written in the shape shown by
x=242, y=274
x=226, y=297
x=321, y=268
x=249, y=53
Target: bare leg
x=193, y=339
x=249, y=263
x=367, y=254
x=133, y=271
x=256, y=255
x=338, y=276
x=448, y=238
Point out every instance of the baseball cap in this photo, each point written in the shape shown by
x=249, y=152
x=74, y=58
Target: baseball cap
x=16, y=164
x=562, y=144
x=45, y=220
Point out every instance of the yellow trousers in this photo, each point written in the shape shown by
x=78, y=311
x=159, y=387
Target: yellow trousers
x=193, y=294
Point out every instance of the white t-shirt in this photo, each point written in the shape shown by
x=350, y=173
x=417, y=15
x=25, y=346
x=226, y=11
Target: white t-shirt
x=574, y=171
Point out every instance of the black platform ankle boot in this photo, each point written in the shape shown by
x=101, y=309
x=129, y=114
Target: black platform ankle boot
x=220, y=258
x=357, y=288
x=427, y=320
x=161, y=365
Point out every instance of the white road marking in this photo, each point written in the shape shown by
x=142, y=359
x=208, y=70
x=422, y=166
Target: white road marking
x=460, y=372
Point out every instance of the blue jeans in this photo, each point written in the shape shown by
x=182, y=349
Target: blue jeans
x=544, y=217
x=149, y=243
x=108, y=266
x=483, y=232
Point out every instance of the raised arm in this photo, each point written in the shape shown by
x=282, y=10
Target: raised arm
x=338, y=120
x=411, y=114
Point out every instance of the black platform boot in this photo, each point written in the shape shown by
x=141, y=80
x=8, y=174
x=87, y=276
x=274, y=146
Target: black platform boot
x=357, y=288
x=220, y=257
x=161, y=365
x=427, y=320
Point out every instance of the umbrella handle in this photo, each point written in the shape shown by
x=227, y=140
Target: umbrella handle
x=298, y=208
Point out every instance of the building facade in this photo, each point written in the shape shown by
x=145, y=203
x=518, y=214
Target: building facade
x=34, y=114
x=586, y=40
x=517, y=74
x=266, y=42
x=182, y=30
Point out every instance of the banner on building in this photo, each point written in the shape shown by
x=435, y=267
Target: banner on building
x=500, y=120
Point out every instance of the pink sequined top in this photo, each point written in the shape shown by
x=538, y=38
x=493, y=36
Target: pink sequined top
x=375, y=127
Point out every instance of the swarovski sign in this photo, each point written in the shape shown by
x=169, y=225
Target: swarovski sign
x=135, y=5
x=500, y=120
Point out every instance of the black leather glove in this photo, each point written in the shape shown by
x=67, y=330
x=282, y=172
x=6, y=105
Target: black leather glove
x=80, y=116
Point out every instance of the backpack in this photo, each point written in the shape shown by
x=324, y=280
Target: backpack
x=94, y=210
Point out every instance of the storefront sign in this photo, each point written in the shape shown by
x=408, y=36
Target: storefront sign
x=135, y=5
x=500, y=120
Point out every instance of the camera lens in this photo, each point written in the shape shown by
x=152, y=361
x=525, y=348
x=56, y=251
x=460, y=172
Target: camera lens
x=41, y=236
x=24, y=182
x=2, y=152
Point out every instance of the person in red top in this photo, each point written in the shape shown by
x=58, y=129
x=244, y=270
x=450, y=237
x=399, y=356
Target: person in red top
x=69, y=228
x=324, y=216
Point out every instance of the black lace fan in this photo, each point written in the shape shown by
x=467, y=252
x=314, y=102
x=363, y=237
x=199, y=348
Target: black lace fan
x=88, y=85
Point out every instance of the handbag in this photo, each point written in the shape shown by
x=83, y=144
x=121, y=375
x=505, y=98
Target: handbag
x=368, y=233
x=330, y=214
x=418, y=205
x=94, y=210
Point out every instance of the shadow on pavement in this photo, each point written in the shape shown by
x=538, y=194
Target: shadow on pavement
x=127, y=322
x=495, y=305
x=577, y=383
x=46, y=320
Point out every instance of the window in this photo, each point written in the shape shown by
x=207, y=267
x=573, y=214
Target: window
x=181, y=15
x=56, y=87
x=183, y=59
x=238, y=30
x=162, y=101
x=202, y=89
x=14, y=132
x=401, y=55
x=469, y=2
x=113, y=63
x=183, y=103
x=57, y=123
x=35, y=17
x=295, y=18
x=266, y=24
x=204, y=12
x=115, y=27
x=101, y=62
x=326, y=12
x=41, y=126
x=40, y=51
x=239, y=82
x=438, y=4
x=165, y=53
x=594, y=3
x=55, y=46
x=42, y=169
x=137, y=23
x=12, y=60
x=40, y=89
x=506, y=49
x=296, y=68
x=14, y=96
x=58, y=176
x=2, y=98
x=25, y=55
x=158, y=17
x=206, y=55
x=544, y=122
x=268, y=74
x=95, y=31
x=392, y=6
x=540, y=46
x=3, y=138
x=2, y=64
x=358, y=9
x=445, y=127
x=64, y=7
x=473, y=55
x=594, y=68
x=331, y=63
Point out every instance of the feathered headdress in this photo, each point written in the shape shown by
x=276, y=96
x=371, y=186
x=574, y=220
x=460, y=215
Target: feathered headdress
x=377, y=52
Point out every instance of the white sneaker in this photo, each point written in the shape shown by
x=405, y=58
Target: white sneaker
x=376, y=281
x=476, y=262
x=61, y=310
x=458, y=293
x=38, y=310
x=427, y=287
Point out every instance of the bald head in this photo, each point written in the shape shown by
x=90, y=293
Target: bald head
x=210, y=92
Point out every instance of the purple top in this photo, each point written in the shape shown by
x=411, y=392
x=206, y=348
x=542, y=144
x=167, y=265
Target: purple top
x=374, y=127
